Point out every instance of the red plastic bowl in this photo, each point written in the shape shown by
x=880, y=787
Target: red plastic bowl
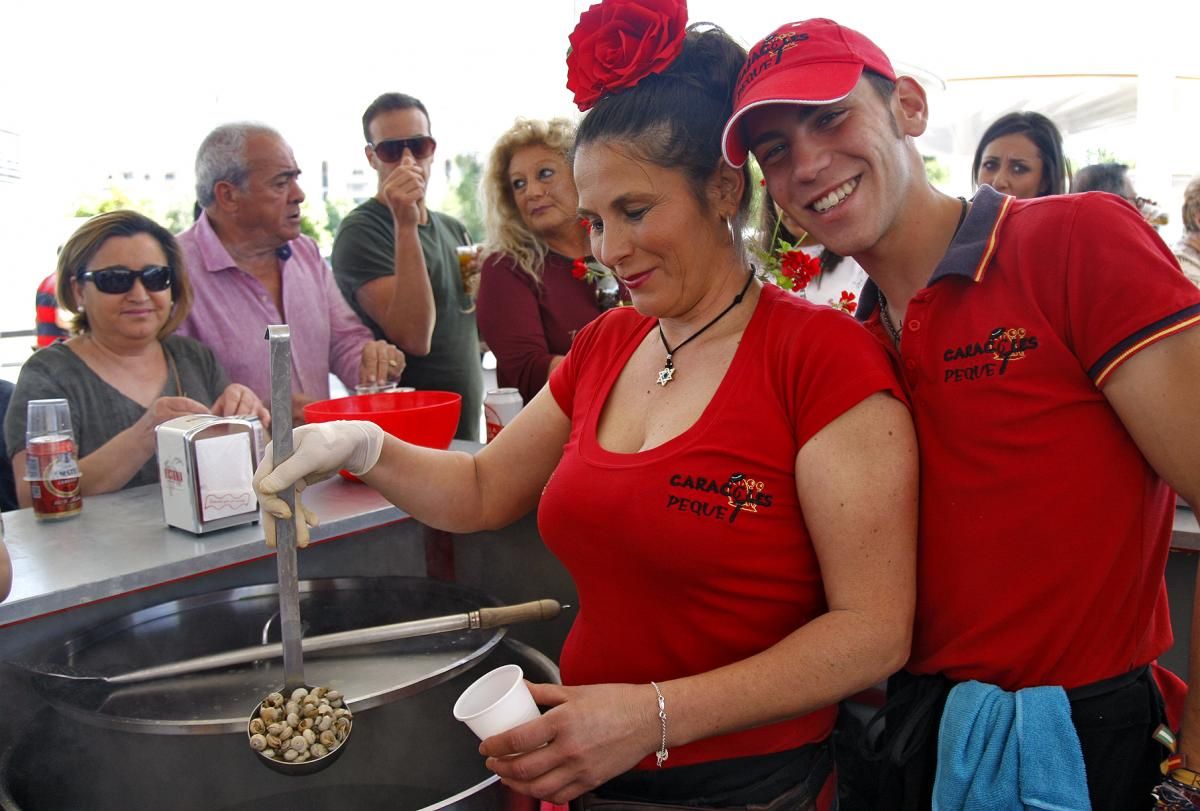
x=427, y=418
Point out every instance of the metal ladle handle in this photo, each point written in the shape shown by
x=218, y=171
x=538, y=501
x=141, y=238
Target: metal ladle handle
x=285, y=531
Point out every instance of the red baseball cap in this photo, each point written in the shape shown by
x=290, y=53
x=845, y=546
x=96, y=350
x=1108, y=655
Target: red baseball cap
x=809, y=62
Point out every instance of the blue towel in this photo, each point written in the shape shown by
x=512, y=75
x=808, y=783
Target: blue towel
x=1001, y=751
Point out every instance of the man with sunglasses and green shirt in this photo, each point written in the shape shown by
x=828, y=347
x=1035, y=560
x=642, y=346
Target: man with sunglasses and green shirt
x=396, y=262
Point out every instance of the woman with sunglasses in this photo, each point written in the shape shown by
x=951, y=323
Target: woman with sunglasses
x=122, y=372
x=537, y=288
x=727, y=471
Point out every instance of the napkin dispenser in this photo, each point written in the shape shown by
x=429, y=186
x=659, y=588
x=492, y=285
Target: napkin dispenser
x=206, y=470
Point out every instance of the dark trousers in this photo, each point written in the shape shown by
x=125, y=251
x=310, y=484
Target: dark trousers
x=782, y=781
x=1114, y=719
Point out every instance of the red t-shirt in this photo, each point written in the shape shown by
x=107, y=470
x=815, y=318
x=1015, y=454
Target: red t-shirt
x=46, y=312
x=1044, y=532
x=695, y=554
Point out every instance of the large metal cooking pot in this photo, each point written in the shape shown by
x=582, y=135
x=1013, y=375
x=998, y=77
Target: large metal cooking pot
x=219, y=701
x=408, y=751
x=409, y=754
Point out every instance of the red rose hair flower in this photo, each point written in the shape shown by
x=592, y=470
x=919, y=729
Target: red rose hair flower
x=617, y=43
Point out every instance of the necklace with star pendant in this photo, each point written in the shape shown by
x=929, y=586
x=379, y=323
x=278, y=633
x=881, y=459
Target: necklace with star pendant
x=667, y=373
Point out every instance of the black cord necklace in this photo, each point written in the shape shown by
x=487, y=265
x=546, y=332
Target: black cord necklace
x=884, y=316
x=667, y=372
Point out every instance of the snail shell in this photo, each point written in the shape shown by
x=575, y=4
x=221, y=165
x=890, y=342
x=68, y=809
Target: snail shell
x=305, y=725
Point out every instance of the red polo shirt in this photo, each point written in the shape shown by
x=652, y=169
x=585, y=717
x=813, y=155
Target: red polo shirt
x=1044, y=532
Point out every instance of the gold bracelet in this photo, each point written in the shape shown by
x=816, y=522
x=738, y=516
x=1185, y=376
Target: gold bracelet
x=661, y=755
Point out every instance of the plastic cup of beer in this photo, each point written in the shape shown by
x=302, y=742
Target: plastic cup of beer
x=467, y=254
x=496, y=702
x=468, y=266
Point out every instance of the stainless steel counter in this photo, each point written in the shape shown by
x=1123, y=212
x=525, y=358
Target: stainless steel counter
x=1187, y=531
x=120, y=544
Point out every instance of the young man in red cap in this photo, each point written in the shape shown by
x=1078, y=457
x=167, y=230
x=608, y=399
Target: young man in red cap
x=1053, y=410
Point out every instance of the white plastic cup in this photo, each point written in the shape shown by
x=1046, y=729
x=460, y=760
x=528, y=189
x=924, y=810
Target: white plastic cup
x=496, y=702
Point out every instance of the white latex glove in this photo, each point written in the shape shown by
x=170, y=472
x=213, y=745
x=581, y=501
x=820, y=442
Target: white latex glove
x=319, y=451
x=304, y=518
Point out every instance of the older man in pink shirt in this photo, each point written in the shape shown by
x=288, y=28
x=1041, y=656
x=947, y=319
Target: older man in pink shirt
x=250, y=267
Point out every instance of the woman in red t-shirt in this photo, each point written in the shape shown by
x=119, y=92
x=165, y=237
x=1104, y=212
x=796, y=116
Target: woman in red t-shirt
x=728, y=472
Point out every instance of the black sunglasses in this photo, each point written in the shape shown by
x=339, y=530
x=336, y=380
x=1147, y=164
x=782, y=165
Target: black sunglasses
x=392, y=150
x=155, y=278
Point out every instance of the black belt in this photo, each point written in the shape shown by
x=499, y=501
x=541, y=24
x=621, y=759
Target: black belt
x=920, y=700
x=1099, y=688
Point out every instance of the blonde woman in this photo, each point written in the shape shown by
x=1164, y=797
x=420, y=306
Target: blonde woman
x=538, y=285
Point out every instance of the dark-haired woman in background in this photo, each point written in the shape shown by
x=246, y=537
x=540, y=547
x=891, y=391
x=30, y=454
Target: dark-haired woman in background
x=123, y=372
x=726, y=470
x=1022, y=154
x=534, y=294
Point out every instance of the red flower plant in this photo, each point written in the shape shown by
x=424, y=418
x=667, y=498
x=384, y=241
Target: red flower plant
x=579, y=269
x=617, y=43
x=846, y=303
x=799, y=268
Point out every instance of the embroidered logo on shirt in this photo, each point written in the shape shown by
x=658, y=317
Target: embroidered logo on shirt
x=1003, y=344
x=740, y=494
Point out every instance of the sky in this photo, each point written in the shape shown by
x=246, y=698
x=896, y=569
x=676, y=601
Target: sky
x=90, y=88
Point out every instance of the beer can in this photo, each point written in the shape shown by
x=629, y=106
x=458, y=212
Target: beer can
x=53, y=475
x=499, y=408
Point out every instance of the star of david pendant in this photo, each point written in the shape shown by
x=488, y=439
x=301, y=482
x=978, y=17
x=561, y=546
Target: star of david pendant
x=666, y=373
